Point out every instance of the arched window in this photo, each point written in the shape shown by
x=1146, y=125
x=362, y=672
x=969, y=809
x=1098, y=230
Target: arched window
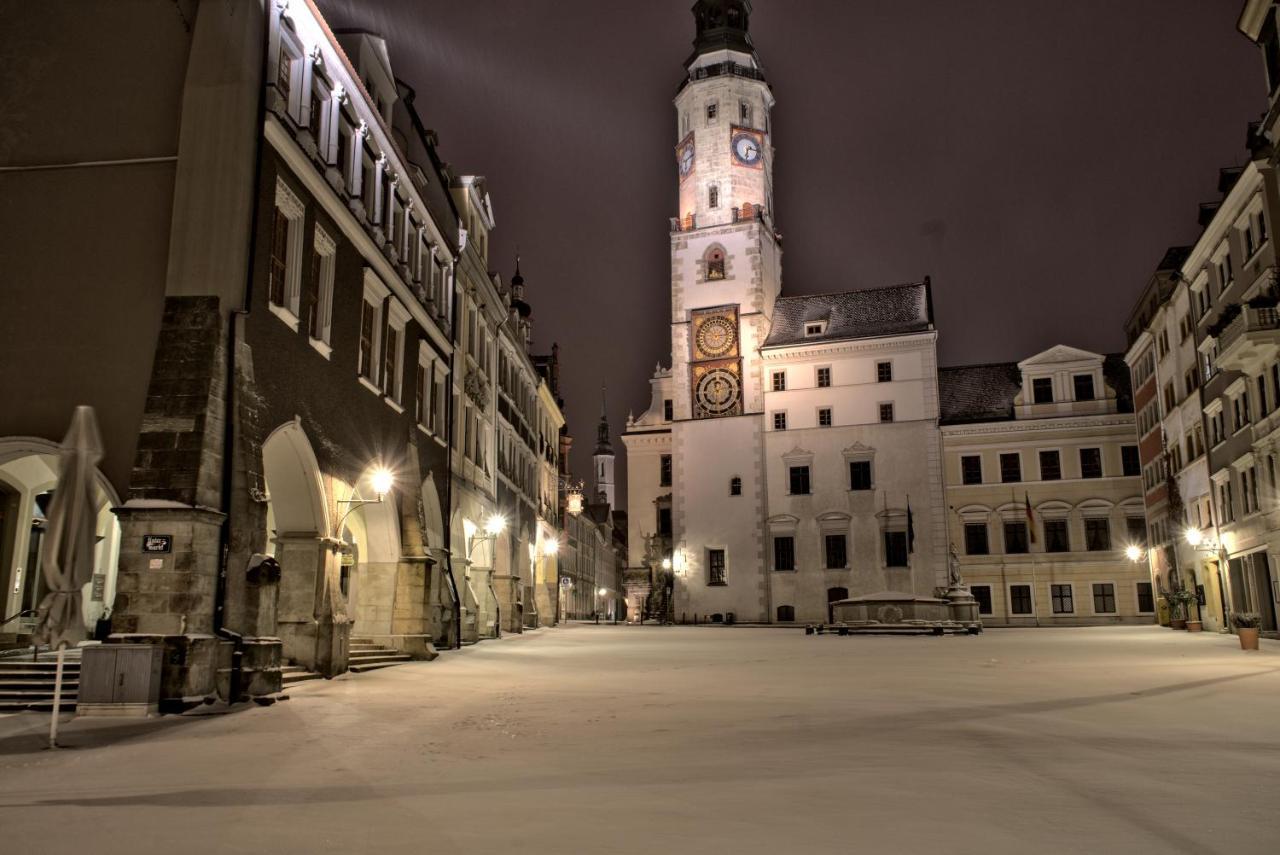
x=715, y=263
x=786, y=613
x=735, y=486
x=713, y=196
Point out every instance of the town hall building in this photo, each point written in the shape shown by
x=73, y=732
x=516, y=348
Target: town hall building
x=790, y=456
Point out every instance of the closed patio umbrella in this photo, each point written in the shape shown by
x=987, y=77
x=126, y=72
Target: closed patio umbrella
x=68, y=556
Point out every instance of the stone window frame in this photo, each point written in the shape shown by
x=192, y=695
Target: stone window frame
x=858, y=453
x=835, y=523
x=884, y=366
x=291, y=206
x=1093, y=597
x=880, y=412
x=778, y=420
x=1071, y=598
x=375, y=294
x=704, y=264
x=829, y=412
x=818, y=377
x=325, y=255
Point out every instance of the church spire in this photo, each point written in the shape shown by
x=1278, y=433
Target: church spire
x=603, y=445
x=603, y=459
x=721, y=25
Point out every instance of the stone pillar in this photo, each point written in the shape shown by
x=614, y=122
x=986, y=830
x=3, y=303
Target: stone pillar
x=311, y=617
x=411, y=616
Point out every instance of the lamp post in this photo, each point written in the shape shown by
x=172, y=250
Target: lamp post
x=381, y=480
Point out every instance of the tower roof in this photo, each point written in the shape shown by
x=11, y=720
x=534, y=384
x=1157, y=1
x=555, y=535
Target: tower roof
x=721, y=25
x=603, y=445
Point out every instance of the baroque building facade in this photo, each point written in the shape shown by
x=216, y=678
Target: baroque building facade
x=790, y=456
x=1043, y=488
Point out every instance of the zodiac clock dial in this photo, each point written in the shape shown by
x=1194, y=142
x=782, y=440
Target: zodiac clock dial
x=716, y=337
x=718, y=391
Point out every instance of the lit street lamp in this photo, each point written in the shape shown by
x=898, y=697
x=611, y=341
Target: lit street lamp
x=1134, y=553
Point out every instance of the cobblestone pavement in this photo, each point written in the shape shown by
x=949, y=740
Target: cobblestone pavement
x=647, y=739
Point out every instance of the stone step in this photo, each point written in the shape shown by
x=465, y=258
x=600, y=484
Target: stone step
x=11, y=669
x=18, y=685
x=288, y=678
x=7, y=697
x=67, y=706
x=360, y=668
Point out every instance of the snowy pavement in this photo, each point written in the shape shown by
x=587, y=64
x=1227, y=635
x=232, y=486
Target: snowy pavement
x=646, y=739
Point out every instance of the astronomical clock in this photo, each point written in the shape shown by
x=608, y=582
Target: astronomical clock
x=717, y=368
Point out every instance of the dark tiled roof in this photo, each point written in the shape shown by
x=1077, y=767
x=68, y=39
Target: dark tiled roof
x=894, y=310
x=1173, y=257
x=985, y=393
x=978, y=393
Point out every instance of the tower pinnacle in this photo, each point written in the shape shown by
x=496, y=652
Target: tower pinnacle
x=721, y=25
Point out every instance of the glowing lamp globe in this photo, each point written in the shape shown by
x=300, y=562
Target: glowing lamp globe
x=495, y=525
x=550, y=546
x=1194, y=536
x=1134, y=553
x=382, y=481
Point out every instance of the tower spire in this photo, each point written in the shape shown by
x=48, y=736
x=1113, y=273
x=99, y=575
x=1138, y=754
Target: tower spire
x=721, y=25
x=603, y=457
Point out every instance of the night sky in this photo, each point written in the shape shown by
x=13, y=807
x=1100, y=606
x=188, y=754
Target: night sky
x=1034, y=157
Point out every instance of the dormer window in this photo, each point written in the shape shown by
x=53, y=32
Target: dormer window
x=815, y=328
x=1083, y=386
x=1042, y=390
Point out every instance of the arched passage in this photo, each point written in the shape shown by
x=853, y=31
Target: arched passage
x=368, y=571
x=298, y=514
x=28, y=480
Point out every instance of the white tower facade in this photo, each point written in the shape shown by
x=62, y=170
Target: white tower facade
x=602, y=461
x=725, y=279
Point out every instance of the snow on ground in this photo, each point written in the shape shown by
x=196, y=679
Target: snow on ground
x=647, y=739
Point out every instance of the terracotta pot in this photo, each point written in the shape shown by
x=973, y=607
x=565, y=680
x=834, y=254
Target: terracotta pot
x=1248, y=637
x=1178, y=623
x=1195, y=626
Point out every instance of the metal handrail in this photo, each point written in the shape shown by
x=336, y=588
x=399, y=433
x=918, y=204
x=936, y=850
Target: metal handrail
x=21, y=614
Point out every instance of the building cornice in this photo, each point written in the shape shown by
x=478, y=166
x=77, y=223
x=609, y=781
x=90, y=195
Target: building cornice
x=779, y=352
x=1041, y=425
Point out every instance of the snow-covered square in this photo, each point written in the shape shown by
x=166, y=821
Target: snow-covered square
x=678, y=739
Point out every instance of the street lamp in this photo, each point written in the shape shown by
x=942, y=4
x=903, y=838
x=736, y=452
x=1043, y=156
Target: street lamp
x=381, y=480
x=1194, y=536
x=550, y=546
x=1133, y=552
x=666, y=564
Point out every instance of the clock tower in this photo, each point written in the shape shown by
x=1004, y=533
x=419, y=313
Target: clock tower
x=725, y=279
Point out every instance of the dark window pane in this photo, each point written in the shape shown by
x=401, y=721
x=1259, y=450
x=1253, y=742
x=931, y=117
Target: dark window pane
x=1097, y=535
x=715, y=567
x=884, y=372
x=1146, y=602
x=895, y=549
x=971, y=469
x=1129, y=459
x=1061, y=597
x=1010, y=468
x=1137, y=529
x=1055, y=536
x=784, y=553
x=1084, y=387
x=975, y=539
x=1042, y=390
x=1015, y=537
x=982, y=593
x=799, y=480
x=1104, y=597
x=786, y=613
x=664, y=479
x=1020, y=599
x=1050, y=466
x=860, y=475
x=1090, y=463
x=836, y=553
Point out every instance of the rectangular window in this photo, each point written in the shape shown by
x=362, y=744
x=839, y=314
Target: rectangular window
x=1104, y=598
x=368, y=327
x=320, y=287
x=884, y=372
x=1015, y=537
x=1010, y=468
x=391, y=364
x=713, y=110
x=975, y=539
x=1061, y=598
x=1050, y=466
x=779, y=421
x=1020, y=599
x=799, y=480
x=1090, y=463
x=278, y=275
x=824, y=378
x=1137, y=530
x=1129, y=460
x=895, y=549
x=1097, y=534
x=1056, y=538
x=664, y=522
x=982, y=593
x=886, y=412
x=824, y=417
x=715, y=567
x=1084, y=386
x=971, y=469
x=668, y=410
x=664, y=472
x=744, y=113
x=713, y=196
x=315, y=118
x=1146, y=599
x=779, y=381
x=1042, y=390
x=284, y=73
x=420, y=395
x=860, y=475
x=836, y=553
x=784, y=553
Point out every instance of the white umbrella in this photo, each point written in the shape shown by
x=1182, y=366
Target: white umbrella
x=68, y=555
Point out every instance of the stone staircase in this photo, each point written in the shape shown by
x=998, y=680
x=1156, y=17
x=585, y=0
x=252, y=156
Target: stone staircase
x=660, y=605
x=290, y=673
x=27, y=685
x=368, y=655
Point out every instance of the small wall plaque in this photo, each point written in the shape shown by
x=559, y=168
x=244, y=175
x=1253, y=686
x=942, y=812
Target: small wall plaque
x=157, y=543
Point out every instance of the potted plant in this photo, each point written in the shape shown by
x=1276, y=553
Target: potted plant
x=1246, y=624
x=1179, y=603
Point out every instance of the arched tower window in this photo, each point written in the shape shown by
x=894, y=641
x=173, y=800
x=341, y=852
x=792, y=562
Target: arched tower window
x=713, y=196
x=715, y=263
x=735, y=486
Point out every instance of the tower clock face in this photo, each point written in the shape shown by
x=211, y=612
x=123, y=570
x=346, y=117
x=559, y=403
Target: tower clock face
x=747, y=147
x=718, y=392
x=684, y=156
x=716, y=337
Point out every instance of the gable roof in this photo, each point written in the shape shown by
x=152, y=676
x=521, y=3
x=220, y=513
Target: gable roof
x=986, y=393
x=893, y=310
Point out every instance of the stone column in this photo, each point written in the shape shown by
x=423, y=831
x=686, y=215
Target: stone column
x=311, y=616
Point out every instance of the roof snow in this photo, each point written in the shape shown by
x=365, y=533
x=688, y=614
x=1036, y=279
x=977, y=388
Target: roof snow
x=894, y=310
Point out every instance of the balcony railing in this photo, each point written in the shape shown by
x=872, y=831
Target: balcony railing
x=745, y=213
x=1238, y=340
x=722, y=68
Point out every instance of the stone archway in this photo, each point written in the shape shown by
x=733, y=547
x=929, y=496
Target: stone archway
x=28, y=478
x=311, y=616
x=373, y=527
